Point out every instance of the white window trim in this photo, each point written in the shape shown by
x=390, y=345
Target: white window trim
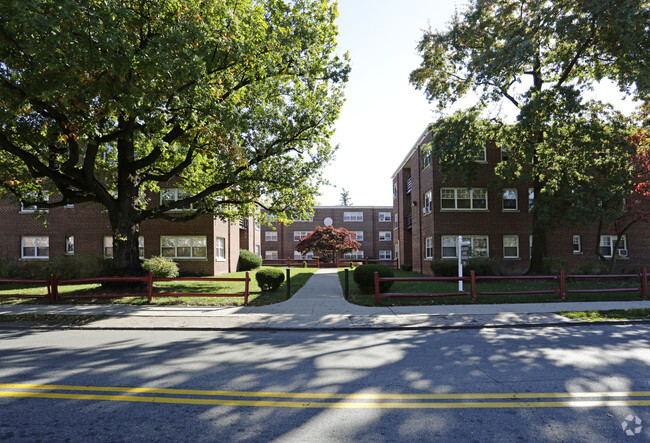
x=612, y=239
x=176, y=192
x=425, y=159
x=385, y=236
x=272, y=234
x=484, y=159
x=357, y=217
x=428, y=202
x=192, y=257
x=471, y=199
x=384, y=217
x=355, y=255
x=465, y=237
x=108, y=237
x=69, y=251
x=504, y=247
x=579, y=243
x=503, y=200
x=428, y=245
x=34, y=208
x=388, y=254
x=36, y=248
x=218, y=257
x=299, y=235
x=271, y=255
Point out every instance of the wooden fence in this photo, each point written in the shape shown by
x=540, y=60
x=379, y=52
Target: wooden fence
x=473, y=292
x=295, y=262
x=147, y=281
x=345, y=262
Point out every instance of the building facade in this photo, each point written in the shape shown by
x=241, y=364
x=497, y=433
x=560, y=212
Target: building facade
x=371, y=224
x=430, y=213
x=203, y=246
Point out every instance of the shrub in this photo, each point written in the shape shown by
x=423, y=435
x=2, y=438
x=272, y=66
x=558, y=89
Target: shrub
x=554, y=264
x=248, y=261
x=364, y=277
x=304, y=264
x=269, y=279
x=406, y=267
x=445, y=268
x=449, y=268
x=161, y=267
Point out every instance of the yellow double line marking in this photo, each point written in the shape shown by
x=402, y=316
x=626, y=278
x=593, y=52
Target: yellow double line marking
x=342, y=401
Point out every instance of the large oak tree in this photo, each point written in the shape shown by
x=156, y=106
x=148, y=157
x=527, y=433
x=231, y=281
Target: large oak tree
x=107, y=101
x=540, y=57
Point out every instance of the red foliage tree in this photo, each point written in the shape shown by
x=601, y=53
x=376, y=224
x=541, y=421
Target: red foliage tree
x=329, y=241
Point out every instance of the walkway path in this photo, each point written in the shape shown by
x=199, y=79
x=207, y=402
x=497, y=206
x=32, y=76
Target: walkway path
x=319, y=304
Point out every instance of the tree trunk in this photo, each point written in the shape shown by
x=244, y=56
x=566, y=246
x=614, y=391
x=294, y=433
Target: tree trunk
x=126, y=253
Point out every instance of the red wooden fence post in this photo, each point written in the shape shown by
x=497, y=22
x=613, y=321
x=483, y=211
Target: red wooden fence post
x=318, y=263
x=248, y=279
x=377, y=297
x=472, y=280
x=562, y=285
x=644, y=283
x=150, y=286
x=55, y=288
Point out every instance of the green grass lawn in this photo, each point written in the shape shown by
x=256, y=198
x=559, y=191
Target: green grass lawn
x=50, y=319
x=614, y=314
x=358, y=298
x=257, y=297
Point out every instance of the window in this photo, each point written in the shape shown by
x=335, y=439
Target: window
x=384, y=216
x=299, y=235
x=427, y=202
x=396, y=224
x=359, y=235
x=463, y=199
x=504, y=154
x=35, y=247
x=425, y=158
x=607, y=243
x=353, y=216
x=271, y=236
x=577, y=246
x=69, y=245
x=510, y=200
x=385, y=255
x=307, y=219
x=428, y=248
x=397, y=249
x=510, y=246
x=300, y=256
x=220, y=249
x=30, y=209
x=257, y=250
x=69, y=206
x=171, y=195
x=531, y=198
x=271, y=255
x=184, y=248
x=478, y=245
x=353, y=255
x=482, y=156
x=108, y=247
x=385, y=236
x=394, y=189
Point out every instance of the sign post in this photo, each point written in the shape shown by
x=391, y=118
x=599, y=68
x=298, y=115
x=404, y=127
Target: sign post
x=462, y=252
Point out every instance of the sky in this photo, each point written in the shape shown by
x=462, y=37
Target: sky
x=383, y=115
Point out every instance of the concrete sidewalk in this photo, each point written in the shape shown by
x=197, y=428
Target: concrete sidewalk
x=319, y=305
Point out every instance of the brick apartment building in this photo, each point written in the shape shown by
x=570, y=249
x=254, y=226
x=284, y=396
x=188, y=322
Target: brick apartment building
x=429, y=214
x=372, y=225
x=204, y=246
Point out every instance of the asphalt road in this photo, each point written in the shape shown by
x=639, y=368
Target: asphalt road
x=543, y=384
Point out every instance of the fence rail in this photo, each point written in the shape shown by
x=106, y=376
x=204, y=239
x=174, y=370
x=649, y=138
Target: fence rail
x=54, y=283
x=473, y=292
x=346, y=262
x=311, y=262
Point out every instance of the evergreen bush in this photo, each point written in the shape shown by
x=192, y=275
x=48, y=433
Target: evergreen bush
x=248, y=261
x=269, y=279
x=161, y=267
x=364, y=277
